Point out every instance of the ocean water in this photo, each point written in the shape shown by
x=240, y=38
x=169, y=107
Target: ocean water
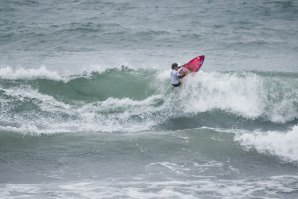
x=87, y=109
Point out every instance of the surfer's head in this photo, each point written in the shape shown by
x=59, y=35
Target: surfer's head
x=174, y=66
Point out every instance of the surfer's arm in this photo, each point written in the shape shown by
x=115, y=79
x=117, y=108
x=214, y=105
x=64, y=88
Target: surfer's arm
x=182, y=66
x=181, y=75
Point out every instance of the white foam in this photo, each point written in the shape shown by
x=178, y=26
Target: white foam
x=24, y=92
x=281, y=144
x=30, y=73
x=230, y=92
x=203, y=187
x=127, y=102
x=54, y=116
x=244, y=94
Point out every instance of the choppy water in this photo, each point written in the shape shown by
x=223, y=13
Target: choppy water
x=87, y=109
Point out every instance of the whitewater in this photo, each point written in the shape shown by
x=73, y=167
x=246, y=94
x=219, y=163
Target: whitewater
x=87, y=109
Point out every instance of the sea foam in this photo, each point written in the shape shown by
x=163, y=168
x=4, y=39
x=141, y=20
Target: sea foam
x=245, y=94
x=29, y=73
x=277, y=143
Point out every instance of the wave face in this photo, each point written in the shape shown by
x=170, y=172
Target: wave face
x=136, y=100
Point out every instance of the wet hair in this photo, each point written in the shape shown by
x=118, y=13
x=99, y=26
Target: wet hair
x=174, y=65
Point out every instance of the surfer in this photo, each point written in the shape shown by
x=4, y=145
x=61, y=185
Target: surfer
x=179, y=72
x=175, y=75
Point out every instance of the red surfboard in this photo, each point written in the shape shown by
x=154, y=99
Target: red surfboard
x=193, y=65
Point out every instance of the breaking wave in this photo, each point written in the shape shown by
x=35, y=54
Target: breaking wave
x=122, y=99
